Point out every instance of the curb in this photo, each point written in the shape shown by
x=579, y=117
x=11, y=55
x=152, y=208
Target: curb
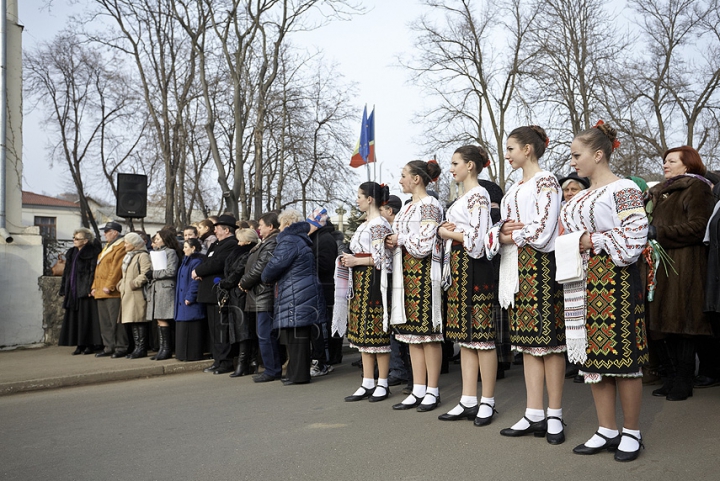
x=8, y=388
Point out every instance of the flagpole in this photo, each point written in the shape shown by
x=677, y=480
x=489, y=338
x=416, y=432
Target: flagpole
x=374, y=149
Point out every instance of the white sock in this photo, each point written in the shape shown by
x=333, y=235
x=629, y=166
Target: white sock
x=431, y=399
x=418, y=391
x=554, y=426
x=597, y=442
x=382, y=382
x=533, y=415
x=368, y=383
x=627, y=443
x=467, y=401
x=486, y=411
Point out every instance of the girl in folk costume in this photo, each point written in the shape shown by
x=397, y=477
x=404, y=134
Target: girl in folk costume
x=527, y=287
x=606, y=326
x=367, y=320
x=471, y=292
x=417, y=290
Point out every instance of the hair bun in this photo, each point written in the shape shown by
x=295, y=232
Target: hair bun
x=541, y=133
x=433, y=170
x=609, y=132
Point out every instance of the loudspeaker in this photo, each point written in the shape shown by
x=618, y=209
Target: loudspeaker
x=131, y=196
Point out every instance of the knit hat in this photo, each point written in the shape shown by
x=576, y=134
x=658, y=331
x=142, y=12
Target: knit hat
x=134, y=239
x=318, y=217
x=640, y=183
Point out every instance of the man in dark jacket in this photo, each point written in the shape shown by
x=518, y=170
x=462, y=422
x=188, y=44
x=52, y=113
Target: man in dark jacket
x=208, y=271
x=325, y=249
x=260, y=298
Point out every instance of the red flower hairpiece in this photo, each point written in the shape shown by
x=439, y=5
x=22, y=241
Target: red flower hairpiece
x=598, y=124
x=487, y=164
x=547, y=141
x=616, y=144
x=432, y=161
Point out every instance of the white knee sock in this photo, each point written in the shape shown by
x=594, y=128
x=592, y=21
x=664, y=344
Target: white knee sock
x=554, y=426
x=486, y=411
x=627, y=443
x=533, y=415
x=596, y=441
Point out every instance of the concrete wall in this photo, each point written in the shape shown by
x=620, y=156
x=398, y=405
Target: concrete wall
x=21, y=312
x=53, y=312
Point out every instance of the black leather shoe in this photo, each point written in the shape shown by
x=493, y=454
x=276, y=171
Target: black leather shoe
x=611, y=445
x=664, y=390
x=423, y=408
x=223, y=370
x=557, y=438
x=103, y=354
x=88, y=350
x=394, y=381
x=374, y=398
x=118, y=354
x=538, y=428
x=211, y=368
x=264, y=377
x=468, y=413
x=359, y=397
x=706, y=381
x=623, y=456
x=77, y=351
x=288, y=382
x=403, y=407
x=485, y=421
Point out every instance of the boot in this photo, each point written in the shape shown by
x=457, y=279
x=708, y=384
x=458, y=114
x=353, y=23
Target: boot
x=243, y=364
x=140, y=334
x=253, y=356
x=135, y=341
x=165, y=352
x=683, y=383
x=668, y=364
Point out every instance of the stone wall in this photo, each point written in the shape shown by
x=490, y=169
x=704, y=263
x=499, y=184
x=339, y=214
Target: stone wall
x=53, y=312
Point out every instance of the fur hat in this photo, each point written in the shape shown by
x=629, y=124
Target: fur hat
x=496, y=193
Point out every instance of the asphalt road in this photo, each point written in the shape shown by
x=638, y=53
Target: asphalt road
x=199, y=426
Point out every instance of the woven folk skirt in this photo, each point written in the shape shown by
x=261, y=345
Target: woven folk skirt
x=470, y=301
x=616, y=334
x=418, y=303
x=537, y=322
x=365, y=312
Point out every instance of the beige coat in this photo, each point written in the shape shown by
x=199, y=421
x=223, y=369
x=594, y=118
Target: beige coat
x=108, y=270
x=133, y=302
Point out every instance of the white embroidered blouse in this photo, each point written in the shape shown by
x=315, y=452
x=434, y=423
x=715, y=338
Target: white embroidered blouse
x=471, y=216
x=370, y=238
x=416, y=226
x=535, y=203
x=614, y=215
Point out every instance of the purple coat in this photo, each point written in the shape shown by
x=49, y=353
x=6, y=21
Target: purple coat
x=187, y=289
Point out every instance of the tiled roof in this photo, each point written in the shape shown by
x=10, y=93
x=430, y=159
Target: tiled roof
x=31, y=198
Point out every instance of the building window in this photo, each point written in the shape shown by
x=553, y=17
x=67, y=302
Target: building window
x=48, y=227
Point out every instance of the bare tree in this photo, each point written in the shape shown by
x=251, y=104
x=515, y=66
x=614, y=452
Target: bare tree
x=83, y=96
x=474, y=79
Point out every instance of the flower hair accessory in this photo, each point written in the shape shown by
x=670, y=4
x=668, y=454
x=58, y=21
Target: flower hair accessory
x=487, y=164
x=599, y=123
x=432, y=161
x=615, y=143
x=547, y=141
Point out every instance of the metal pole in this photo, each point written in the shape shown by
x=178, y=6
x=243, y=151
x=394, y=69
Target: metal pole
x=3, y=120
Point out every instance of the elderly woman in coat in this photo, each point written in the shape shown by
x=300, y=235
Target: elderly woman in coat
x=80, y=326
x=161, y=290
x=135, y=267
x=299, y=300
x=679, y=209
x=189, y=313
x=232, y=301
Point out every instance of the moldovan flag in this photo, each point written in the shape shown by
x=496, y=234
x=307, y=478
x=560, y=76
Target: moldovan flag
x=365, y=149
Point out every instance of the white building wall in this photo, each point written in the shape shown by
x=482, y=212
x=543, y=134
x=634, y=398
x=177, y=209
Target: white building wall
x=66, y=220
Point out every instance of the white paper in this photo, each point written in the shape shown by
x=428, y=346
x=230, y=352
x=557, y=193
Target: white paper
x=159, y=260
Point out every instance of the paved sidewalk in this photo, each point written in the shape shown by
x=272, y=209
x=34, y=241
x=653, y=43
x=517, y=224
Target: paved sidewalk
x=35, y=369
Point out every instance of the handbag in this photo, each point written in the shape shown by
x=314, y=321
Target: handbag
x=58, y=268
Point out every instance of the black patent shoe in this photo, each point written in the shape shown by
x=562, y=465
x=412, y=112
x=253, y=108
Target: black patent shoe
x=403, y=407
x=359, y=397
x=538, y=428
x=423, y=408
x=88, y=350
x=611, y=444
x=77, y=351
x=374, y=398
x=557, y=438
x=103, y=354
x=211, y=368
x=485, y=421
x=118, y=354
x=623, y=456
x=468, y=413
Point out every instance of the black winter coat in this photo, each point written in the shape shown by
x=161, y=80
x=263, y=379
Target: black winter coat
x=84, y=273
x=299, y=299
x=213, y=266
x=260, y=296
x=231, y=309
x=325, y=250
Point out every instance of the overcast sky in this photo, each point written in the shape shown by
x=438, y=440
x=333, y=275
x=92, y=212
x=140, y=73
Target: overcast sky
x=365, y=48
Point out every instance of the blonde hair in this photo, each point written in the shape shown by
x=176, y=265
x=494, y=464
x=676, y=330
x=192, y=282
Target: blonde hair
x=290, y=216
x=87, y=233
x=247, y=235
